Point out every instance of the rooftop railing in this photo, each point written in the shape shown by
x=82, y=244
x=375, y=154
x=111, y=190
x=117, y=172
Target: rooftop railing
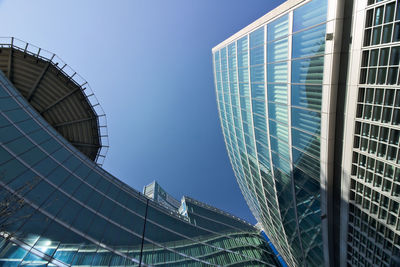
x=70, y=73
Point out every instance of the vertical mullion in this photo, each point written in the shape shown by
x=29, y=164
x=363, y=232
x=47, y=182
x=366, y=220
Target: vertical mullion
x=377, y=63
x=372, y=27
x=383, y=23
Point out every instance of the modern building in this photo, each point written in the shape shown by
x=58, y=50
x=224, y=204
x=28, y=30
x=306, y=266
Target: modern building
x=308, y=98
x=155, y=192
x=58, y=207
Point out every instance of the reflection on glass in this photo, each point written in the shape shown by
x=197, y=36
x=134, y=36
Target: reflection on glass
x=309, y=43
x=309, y=14
x=278, y=28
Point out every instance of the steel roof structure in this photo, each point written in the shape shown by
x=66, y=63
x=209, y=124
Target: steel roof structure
x=58, y=93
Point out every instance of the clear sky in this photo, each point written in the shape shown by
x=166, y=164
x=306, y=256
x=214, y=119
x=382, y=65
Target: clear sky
x=150, y=66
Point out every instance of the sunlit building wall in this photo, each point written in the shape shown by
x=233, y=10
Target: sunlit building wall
x=309, y=103
x=369, y=223
x=276, y=83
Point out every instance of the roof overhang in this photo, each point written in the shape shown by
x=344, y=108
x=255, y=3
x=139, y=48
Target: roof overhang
x=62, y=97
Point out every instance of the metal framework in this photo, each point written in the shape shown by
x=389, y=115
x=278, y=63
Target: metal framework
x=58, y=93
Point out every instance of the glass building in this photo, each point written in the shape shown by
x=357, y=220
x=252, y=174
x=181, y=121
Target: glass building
x=58, y=207
x=309, y=109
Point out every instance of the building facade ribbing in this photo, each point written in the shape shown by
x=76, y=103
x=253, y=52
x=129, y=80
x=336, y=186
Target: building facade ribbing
x=297, y=92
x=370, y=224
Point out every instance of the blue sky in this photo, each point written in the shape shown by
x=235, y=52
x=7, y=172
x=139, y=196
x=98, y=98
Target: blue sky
x=150, y=66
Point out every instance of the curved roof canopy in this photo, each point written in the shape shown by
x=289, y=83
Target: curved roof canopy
x=59, y=94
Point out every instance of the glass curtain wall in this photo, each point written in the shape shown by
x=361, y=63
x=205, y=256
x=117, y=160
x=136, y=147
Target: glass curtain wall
x=280, y=68
x=67, y=211
x=308, y=47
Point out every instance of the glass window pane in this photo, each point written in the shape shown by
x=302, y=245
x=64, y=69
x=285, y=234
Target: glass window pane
x=50, y=145
x=389, y=12
x=369, y=18
x=309, y=43
x=280, y=163
x=278, y=112
x=277, y=73
x=19, y=145
x=308, y=96
x=4, y=156
x=395, y=55
x=306, y=120
x=40, y=192
x=61, y=154
x=33, y=156
x=232, y=50
x=12, y=254
x=244, y=90
x=309, y=70
x=11, y=169
x=306, y=142
x=308, y=164
x=258, y=91
x=259, y=107
x=376, y=35
x=257, y=74
x=277, y=51
x=278, y=130
x=396, y=32
x=381, y=79
x=280, y=147
x=243, y=60
x=392, y=75
x=387, y=33
x=278, y=28
x=263, y=155
x=260, y=123
x=309, y=14
x=365, y=57
x=371, y=75
x=242, y=44
x=243, y=75
x=378, y=15
x=257, y=55
x=373, y=61
x=257, y=37
x=277, y=93
x=384, y=57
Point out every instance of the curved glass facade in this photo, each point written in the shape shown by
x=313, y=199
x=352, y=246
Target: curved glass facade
x=67, y=211
x=269, y=84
